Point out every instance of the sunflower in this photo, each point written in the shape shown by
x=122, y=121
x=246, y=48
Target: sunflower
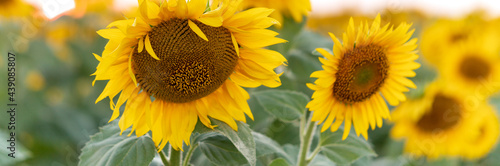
x=474, y=66
x=372, y=61
x=444, y=35
x=9, y=8
x=294, y=8
x=487, y=132
x=441, y=123
x=175, y=63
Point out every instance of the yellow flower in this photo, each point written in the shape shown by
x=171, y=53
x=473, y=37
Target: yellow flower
x=486, y=137
x=473, y=66
x=372, y=61
x=35, y=81
x=9, y=8
x=443, y=35
x=191, y=61
x=442, y=123
x=294, y=8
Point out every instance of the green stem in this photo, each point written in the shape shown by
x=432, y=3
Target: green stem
x=306, y=142
x=175, y=157
x=189, y=154
x=314, y=153
x=164, y=158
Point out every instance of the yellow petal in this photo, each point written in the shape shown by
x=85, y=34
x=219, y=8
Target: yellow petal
x=197, y=30
x=196, y=8
x=150, y=49
x=140, y=45
x=235, y=44
x=130, y=72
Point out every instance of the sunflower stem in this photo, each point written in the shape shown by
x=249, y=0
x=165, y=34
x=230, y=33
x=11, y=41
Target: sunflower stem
x=305, y=142
x=189, y=154
x=164, y=158
x=175, y=157
x=313, y=154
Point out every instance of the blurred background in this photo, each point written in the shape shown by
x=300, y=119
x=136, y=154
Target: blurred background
x=54, y=40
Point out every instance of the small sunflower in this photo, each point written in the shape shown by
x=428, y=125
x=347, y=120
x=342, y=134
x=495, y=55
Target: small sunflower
x=9, y=8
x=486, y=137
x=438, y=124
x=175, y=63
x=294, y=8
x=372, y=61
x=473, y=66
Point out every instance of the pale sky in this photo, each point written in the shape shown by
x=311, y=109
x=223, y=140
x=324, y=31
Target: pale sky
x=445, y=8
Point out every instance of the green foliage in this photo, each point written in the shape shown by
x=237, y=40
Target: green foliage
x=108, y=147
x=221, y=151
x=279, y=162
x=284, y=105
x=344, y=151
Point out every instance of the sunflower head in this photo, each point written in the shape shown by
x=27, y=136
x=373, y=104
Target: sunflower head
x=445, y=35
x=474, y=66
x=175, y=63
x=372, y=61
x=444, y=123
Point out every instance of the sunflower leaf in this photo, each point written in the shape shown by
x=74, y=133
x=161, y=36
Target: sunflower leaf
x=279, y=162
x=108, y=147
x=220, y=151
x=344, y=151
x=241, y=139
x=284, y=105
x=265, y=146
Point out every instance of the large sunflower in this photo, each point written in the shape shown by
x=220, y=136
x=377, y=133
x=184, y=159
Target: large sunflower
x=294, y=8
x=372, y=61
x=442, y=123
x=193, y=63
x=9, y=8
x=474, y=66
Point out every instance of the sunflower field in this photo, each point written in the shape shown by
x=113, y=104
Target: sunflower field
x=248, y=82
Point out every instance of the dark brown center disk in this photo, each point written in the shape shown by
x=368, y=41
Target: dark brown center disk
x=189, y=67
x=444, y=114
x=474, y=68
x=459, y=36
x=361, y=72
x=5, y=2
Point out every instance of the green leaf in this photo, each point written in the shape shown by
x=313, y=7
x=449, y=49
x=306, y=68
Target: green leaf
x=344, y=151
x=279, y=162
x=266, y=146
x=242, y=139
x=20, y=152
x=108, y=147
x=220, y=151
x=285, y=105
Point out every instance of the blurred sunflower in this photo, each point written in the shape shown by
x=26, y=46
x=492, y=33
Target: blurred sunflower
x=294, y=8
x=487, y=132
x=440, y=123
x=9, y=8
x=191, y=61
x=473, y=66
x=372, y=61
x=443, y=35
